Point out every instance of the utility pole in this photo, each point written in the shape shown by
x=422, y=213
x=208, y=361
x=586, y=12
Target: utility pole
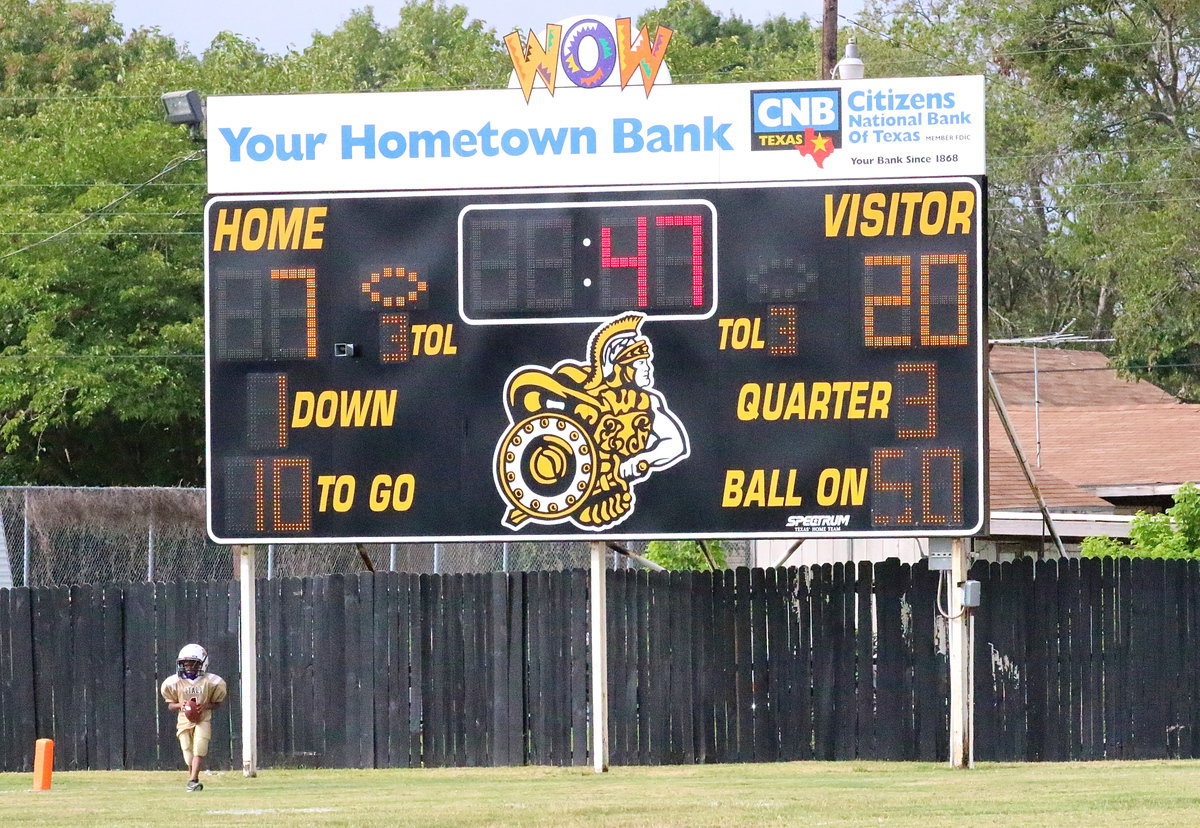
x=829, y=39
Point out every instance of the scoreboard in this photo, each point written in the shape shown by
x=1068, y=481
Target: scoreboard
x=762, y=359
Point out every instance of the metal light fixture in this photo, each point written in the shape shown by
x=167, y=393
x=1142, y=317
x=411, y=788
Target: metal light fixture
x=185, y=107
x=850, y=67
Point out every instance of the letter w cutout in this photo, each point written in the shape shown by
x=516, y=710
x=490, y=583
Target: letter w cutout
x=645, y=55
x=533, y=59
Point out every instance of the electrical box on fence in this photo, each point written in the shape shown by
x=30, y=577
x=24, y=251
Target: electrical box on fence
x=941, y=554
x=970, y=593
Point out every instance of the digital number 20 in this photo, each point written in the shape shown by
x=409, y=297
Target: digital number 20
x=896, y=270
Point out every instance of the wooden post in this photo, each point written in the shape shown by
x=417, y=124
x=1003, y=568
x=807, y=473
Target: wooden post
x=829, y=30
x=962, y=720
x=599, y=625
x=248, y=657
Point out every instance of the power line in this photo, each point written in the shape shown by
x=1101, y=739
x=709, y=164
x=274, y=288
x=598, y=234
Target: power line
x=63, y=234
x=192, y=156
x=101, y=356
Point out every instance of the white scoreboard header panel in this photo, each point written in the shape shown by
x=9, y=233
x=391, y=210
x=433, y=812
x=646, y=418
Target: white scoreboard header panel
x=605, y=136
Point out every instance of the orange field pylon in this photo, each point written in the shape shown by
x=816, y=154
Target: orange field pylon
x=43, y=764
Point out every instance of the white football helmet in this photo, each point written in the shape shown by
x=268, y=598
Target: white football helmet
x=192, y=652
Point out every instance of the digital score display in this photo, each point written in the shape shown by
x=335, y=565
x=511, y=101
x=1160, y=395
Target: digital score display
x=586, y=261
x=724, y=361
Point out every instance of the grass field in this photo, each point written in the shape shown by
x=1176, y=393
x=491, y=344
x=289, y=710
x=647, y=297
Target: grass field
x=1092, y=794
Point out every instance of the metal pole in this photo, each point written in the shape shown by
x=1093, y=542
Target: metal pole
x=437, y=559
x=504, y=556
x=1002, y=412
x=599, y=624
x=248, y=647
x=25, y=540
x=270, y=561
x=962, y=731
x=150, y=552
x=1037, y=413
x=392, y=558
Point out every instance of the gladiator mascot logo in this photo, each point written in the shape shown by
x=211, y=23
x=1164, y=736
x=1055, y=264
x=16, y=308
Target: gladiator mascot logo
x=582, y=434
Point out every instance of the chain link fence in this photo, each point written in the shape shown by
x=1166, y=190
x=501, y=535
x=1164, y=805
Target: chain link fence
x=53, y=536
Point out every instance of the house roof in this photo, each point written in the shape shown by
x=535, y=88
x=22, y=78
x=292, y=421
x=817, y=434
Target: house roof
x=1074, y=379
x=1094, y=432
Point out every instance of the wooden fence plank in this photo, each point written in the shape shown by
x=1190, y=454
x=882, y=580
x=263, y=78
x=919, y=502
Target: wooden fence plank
x=700, y=587
x=500, y=748
x=418, y=637
x=893, y=712
x=579, y=615
x=472, y=624
x=800, y=625
x=741, y=665
x=765, y=746
x=998, y=667
x=1040, y=609
x=1092, y=686
x=779, y=661
x=725, y=666
x=844, y=661
x=821, y=588
x=622, y=676
x=1190, y=742
x=454, y=659
x=683, y=735
x=1068, y=709
x=433, y=647
x=307, y=739
x=1147, y=659
x=862, y=639
x=17, y=692
x=111, y=710
x=928, y=667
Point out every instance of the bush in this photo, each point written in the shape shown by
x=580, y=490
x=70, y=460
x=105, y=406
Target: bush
x=1173, y=534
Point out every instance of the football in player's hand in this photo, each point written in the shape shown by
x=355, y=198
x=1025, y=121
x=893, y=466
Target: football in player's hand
x=191, y=709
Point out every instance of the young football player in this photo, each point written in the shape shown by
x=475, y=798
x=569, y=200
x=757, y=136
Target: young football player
x=195, y=693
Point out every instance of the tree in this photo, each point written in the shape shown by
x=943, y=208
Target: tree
x=709, y=48
x=101, y=280
x=100, y=307
x=1130, y=71
x=1173, y=534
x=687, y=554
x=1092, y=122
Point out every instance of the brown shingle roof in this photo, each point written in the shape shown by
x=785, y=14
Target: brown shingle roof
x=1075, y=379
x=1114, y=446
x=1009, y=491
x=1095, y=428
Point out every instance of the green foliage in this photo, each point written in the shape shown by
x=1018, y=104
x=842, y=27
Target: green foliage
x=101, y=279
x=708, y=48
x=1173, y=534
x=1092, y=173
x=1092, y=180
x=686, y=554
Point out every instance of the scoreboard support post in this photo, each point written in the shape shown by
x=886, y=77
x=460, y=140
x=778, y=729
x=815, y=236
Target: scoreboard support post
x=599, y=630
x=248, y=653
x=961, y=621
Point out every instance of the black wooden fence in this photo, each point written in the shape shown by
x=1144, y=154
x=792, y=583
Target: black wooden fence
x=1074, y=660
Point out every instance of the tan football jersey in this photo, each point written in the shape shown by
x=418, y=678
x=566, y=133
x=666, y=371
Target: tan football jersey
x=206, y=689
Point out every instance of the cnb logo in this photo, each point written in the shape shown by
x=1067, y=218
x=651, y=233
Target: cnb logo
x=781, y=117
x=590, y=51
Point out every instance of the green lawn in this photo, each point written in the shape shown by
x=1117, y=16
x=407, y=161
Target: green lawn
x=1088, y=795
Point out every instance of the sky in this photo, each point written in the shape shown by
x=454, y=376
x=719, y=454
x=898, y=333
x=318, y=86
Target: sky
x=279, y=24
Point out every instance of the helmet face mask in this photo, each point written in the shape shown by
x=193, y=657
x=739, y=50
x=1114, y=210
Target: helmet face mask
x=194, y=657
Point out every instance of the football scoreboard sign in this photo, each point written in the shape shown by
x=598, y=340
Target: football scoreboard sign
x=751, y=310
